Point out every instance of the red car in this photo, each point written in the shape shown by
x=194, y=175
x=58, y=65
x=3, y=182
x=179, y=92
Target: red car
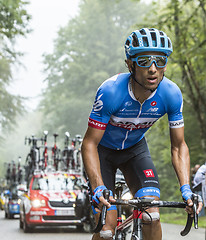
x=51, y=200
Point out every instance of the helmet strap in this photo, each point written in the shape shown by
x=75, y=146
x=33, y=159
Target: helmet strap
x=133, y=77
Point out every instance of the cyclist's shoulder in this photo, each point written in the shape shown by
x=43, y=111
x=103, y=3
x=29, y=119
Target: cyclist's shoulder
x=116, y=82
x=169, y=90
x=169, y=85
x=114, y=87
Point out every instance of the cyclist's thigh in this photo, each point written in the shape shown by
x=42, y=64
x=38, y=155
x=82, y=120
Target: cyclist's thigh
x=108, y=169
x=139, y=171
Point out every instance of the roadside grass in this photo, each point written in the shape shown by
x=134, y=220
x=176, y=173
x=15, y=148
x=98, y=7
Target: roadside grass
x=180, y=219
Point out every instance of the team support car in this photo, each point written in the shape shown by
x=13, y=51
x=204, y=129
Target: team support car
x=51, y=201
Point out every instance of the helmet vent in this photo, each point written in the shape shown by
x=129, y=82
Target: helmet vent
x=162, y=42
x=142, y=31
x=135, y=41
x=145, y=41
x=169, y=43
x=127, y=43
x=161, y=33
x=154, y=39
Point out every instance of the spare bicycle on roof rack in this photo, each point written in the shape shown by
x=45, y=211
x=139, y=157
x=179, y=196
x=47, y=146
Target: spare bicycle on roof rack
x=141, y=205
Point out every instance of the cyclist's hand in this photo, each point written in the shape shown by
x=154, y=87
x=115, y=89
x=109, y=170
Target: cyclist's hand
x=98, y=198
x=199, y=203
x=187, y=196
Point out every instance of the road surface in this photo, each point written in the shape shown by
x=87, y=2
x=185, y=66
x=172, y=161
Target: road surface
x=10, y=231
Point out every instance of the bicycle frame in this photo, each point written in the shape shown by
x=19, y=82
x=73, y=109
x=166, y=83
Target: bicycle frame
x=123, y=228
x=143, y=204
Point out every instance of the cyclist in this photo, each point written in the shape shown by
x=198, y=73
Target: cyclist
x=126, y=106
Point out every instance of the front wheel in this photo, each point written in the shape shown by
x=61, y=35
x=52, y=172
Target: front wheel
x=80, y=228
x=25, y=226
x=10, y=215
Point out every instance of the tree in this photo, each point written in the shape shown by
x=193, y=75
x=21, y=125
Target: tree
x=13, y=22
x=87, y=51
x=185, y=20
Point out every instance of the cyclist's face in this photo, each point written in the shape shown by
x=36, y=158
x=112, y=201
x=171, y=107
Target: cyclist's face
x=149, y=77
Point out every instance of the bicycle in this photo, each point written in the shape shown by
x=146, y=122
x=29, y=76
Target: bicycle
x=67, y=154
x=141, y=205
x=77, y=152
x=33, y=157
x=55, y=153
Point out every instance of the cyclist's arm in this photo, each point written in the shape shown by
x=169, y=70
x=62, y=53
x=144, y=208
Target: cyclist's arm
x=181, y=159
x=90, y=156
x=91, y=159
x=180, y=155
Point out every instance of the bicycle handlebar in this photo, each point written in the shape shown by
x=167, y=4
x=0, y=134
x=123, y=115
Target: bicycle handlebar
x=102, y=218
x=190, y=218
x=143, y=203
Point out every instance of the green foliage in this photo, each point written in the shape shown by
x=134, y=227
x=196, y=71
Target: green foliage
x=13, y=18
x=179, y=217
x=13, y=22
x=184, y=21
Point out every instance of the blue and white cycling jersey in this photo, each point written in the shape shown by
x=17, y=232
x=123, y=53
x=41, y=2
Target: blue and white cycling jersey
x=124, y=119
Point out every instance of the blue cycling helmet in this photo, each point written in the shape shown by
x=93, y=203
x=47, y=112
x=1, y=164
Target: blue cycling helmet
x=147, y=39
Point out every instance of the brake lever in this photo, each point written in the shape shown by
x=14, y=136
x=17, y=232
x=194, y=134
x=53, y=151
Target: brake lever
x=102, y=218
x=106, y=194
x=195, y=204
x=190, y=219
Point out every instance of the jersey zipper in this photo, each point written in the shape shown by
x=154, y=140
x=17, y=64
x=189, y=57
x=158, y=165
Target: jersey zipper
x=125, y=139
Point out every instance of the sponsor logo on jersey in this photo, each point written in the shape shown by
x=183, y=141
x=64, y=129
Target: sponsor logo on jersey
x=98, y=104
x=132, y=123
x=149, y=173
x=176, y=124
x=127, y=104
x=152, y=110
x=96, y=124
x=153, y=103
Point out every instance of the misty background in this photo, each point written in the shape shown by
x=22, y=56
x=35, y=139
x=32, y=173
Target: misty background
x=87, y=49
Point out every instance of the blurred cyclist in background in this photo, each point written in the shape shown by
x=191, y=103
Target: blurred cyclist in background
x=199, y=184
x=126, y=106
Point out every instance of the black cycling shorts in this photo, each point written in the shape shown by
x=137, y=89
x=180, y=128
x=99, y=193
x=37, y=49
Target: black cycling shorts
x=136, y=165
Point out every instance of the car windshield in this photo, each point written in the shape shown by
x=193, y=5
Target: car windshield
x=57, y=183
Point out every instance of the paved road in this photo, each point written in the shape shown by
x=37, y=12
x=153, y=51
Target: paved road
x=172, y=232
x=9, y=230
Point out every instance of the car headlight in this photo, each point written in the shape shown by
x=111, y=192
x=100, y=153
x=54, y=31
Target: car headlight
x=36, y=203
x=127, y=196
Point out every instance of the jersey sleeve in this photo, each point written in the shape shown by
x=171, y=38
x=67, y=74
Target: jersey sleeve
x=200, y=175
x=103, y=107
x=175, y=107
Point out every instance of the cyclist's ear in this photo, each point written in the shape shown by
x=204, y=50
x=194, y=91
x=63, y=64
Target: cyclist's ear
x=129, y=64
x=165, y=68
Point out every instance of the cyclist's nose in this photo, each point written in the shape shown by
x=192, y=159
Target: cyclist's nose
x=153, y=67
